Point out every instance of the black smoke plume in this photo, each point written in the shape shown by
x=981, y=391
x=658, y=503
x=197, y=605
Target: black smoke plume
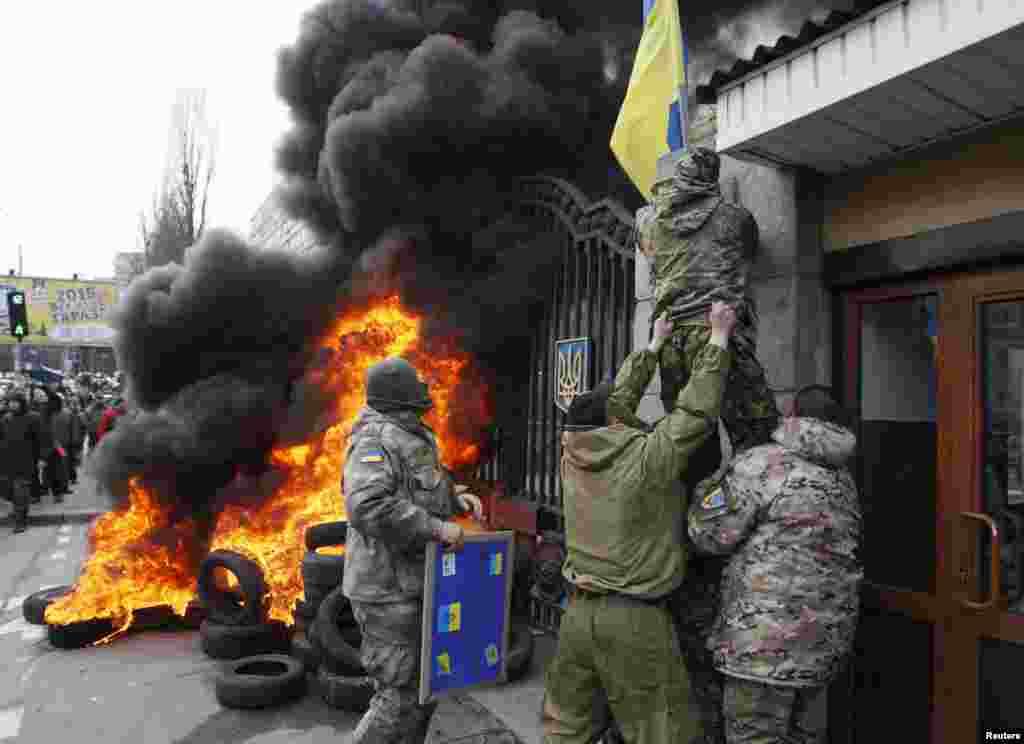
x=410, y=134
x=411, y=131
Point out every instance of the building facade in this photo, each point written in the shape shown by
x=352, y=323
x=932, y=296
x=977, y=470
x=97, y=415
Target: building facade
x=884, y=160
x=69, y=324
x=128, y=265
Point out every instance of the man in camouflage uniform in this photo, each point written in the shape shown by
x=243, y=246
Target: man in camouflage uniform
x=397, y=498
x=699, y=247
x=625, y=518
x=790, y=595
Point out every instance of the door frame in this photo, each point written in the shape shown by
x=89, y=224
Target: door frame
x=957, y=630
x=915, y=605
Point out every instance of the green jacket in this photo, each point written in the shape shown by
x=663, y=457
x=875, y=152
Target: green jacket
x=624, y=509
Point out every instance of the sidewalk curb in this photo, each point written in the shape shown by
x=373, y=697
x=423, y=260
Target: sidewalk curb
x=80, y=517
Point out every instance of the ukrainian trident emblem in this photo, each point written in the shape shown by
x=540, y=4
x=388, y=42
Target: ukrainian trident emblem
x=572, y=375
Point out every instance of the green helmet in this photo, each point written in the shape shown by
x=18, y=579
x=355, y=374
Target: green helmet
x=394, y=385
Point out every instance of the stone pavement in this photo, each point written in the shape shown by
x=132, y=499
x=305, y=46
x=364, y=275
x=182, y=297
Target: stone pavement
x=157, y=686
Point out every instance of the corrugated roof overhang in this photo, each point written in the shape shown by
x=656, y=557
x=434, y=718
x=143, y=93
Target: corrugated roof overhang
x=865, y=88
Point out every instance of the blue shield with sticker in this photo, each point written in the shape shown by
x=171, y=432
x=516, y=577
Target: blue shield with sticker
x=572, y=370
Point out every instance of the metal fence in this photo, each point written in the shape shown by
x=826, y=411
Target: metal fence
x=592, y=296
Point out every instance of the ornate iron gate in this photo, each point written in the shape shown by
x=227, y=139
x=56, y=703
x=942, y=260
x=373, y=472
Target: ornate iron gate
x=592, y=296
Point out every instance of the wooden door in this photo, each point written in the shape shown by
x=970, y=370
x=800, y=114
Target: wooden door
x=984, y=345
x=935, y=371
x=894, y=382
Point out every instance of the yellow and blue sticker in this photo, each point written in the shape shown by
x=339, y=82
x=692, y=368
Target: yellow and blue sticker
x=444, y=663
x=491, y=655
x=373, y=456
x=449, y=618
x=495, y=564
x=714, y=500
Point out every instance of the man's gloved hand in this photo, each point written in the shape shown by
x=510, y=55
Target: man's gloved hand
x=469, y=502
x=451, y=535
x=662, y=333
x=722, y=318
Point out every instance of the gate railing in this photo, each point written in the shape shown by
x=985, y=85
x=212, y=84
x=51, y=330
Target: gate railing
x=593, y=295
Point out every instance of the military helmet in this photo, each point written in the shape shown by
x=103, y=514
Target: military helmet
x=393, y=384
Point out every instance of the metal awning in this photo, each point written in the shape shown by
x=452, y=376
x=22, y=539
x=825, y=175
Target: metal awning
x=900, y=76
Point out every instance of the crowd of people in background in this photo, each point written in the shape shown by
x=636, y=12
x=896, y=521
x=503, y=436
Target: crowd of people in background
x=46, y=431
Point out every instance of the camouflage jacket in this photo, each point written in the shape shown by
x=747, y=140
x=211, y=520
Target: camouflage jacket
x=700, y=249
x=396, y=496
x=790, y=594
x=625, y=514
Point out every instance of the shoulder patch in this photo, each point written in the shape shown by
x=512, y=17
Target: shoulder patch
x=714, y=500
x=373, y=456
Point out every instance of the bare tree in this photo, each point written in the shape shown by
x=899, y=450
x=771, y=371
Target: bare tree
x=178, y=215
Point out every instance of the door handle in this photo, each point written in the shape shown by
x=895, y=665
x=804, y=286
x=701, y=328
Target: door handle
x=965, y=570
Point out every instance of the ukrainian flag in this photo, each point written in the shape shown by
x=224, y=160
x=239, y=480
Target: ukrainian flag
x=651, y=122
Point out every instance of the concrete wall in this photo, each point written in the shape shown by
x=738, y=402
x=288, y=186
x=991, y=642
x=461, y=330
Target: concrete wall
x=794, y=342
x=971, y=178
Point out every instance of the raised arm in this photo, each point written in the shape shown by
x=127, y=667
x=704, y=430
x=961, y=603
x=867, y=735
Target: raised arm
x=635, y=374
x=695, y=413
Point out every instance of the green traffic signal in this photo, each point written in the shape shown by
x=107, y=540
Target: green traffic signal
x=17, y=313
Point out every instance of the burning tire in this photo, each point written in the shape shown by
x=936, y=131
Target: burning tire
x=238, y=641
x=326, y=535
x=79, y=635
x=520, y=651
x=225, y=607
x=332, y=640
x=195, y=614
x=345, y=693
x=34, y=606
x=261, y=681
x=304, y=651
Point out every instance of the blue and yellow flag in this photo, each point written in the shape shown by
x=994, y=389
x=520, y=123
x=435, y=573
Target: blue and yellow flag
x=650, y=123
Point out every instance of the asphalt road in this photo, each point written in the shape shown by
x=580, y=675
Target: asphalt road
x=158, y=687
x=42, y=557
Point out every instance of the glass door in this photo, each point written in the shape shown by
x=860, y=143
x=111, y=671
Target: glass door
x=986, y=536
x=892, y=381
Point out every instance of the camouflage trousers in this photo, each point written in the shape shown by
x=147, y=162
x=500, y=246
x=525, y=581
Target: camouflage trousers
x=629, y=650
x=749, y=411
x=391, y=655
x=759, y=713
x=694, y=608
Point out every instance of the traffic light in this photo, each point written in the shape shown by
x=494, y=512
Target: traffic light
x=17, y=314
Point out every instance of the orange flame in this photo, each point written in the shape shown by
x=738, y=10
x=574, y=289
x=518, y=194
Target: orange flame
x=137, y=560
x=119, y=577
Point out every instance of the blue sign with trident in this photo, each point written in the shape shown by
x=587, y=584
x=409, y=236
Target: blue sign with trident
x=572, y=373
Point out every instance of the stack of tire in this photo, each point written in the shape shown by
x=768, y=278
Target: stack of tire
x=260, y=673
x=329, y=638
